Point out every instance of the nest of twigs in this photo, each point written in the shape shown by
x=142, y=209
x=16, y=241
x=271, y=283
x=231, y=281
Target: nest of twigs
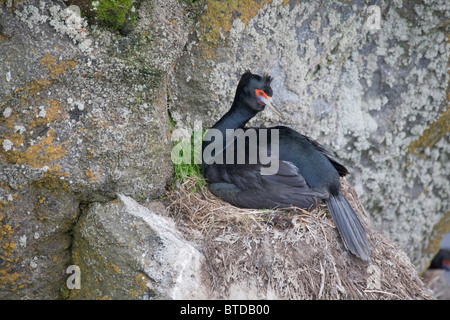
x=289, y=253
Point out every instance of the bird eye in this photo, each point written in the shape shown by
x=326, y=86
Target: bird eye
x=261, y=97
x=261, y=93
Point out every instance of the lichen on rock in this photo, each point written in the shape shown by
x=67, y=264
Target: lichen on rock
x=83, y=115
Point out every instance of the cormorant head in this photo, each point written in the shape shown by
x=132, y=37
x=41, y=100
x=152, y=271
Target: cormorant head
x=255, y=92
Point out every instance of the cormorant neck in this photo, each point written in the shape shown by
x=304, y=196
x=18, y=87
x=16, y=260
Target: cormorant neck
x=235, y=118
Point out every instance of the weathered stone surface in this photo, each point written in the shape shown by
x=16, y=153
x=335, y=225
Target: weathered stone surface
x=127, y=251
x=377, y=97
x=99, y=120
x=82, y=116
x=35, y=221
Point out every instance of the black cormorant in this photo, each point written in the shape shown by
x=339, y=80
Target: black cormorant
x=305, y=175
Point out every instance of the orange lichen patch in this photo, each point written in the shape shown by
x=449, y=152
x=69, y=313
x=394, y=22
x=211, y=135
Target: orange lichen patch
x=54, y=68
x=142, y=287
x=52, y=113
x=36, y=86
x=51, y=183
x=41, y=153
x=220, y=15
x=16, y=138
x=9, y=122
x=38, y=151
x=219, y=18
x=115, y=202
x=90, y=153
x=32, y=88
x=7, y=244
x=8, y=278
x=9, y=247
x=90, y=175
x=5, y=229
x=55, y=171
x=93, y=176
x=113, y=267
x=41, y=199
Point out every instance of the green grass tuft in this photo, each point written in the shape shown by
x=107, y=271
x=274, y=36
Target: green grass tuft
x=186, y=171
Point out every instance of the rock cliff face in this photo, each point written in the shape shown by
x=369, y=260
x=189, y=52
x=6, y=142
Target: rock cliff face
x=83, y=117
x=84, y=127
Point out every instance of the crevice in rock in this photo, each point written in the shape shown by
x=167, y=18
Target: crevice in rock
x=66, y=292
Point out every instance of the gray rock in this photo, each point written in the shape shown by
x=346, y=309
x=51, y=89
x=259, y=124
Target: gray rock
x=83, y=116
x=97, y=120
x=127, y=251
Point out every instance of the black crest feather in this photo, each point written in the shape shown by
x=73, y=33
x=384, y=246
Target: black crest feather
x=247, y=76
x=267, y=79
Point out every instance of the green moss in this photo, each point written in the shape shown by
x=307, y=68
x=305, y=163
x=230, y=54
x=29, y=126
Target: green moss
x=117, y=15
x=114, y=13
